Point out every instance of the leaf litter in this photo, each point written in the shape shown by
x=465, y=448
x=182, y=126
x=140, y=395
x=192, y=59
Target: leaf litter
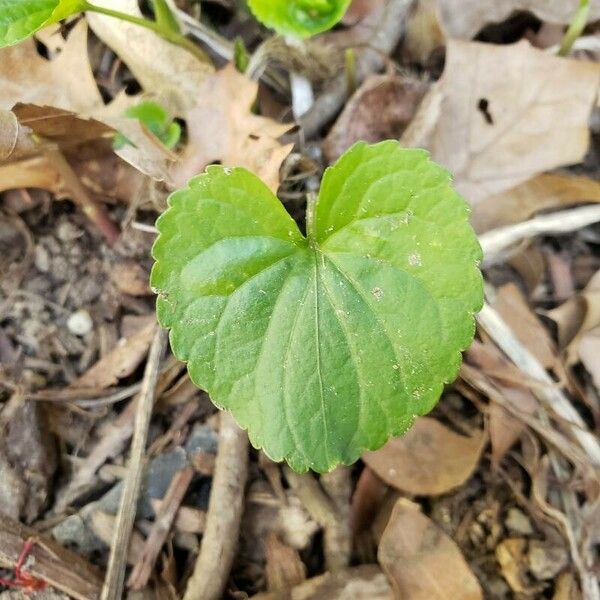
x=492, y=495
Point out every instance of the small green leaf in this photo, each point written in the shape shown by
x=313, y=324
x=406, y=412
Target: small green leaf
x=20, y=19
x=327, y=345
x=241, y=57
x=156, y=118
x=165, y=17
x=299, y=18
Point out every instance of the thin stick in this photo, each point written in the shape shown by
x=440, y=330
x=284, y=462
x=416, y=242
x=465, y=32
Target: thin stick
x=115, y=573
x=504, y=338
x=165, y=518
x=338, y=538
x=322, y=509
x=494, y=243
x=92, y=210
x=224, y=516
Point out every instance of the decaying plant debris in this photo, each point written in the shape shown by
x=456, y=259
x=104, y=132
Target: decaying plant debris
x=119, y=478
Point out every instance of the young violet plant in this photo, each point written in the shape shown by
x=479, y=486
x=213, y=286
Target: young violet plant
x=156, y=119
x=299, y=18
x=327, y=344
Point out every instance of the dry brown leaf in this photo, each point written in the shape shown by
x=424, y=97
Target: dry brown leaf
x=566, y=587
x=284, y=568
x=365, y=582
x=589, y=353
x=422, y=562
x=423, y=33
x=61, y=126
x=429, y=459
x=66, y=82
x=9, y=134
x=359, y=9
x=510, y=553
x=161, y=68
x=130, y=278
x=504, y=428
x=503, y=114
x=576, y=317
x=221, y=127
x=464, y=18
x=515, y=311
x=87, y=145
x=380, y=109
x=550, y=190
x=366, y=500
x=120, y=362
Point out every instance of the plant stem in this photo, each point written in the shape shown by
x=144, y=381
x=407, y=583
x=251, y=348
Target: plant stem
x=167, y=34
x=164, y=17
x=575, y=28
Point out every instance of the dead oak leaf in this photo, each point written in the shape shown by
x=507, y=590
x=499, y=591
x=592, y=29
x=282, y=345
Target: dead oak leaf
x=503, y=114
x=464, y=18
x=66, y=82
x=421, y=561
x=428, y=460
x=160, y=67
x=121, y=362
x=221, y=127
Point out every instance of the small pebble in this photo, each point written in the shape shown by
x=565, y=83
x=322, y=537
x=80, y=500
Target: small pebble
x=80, y=323
x=546, y=561
x=518, y=522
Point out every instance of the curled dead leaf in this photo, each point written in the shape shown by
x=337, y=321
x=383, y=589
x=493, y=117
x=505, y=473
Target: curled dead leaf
x=421, y=561
x=546, y=191
x=576, y=317
x=120, y=362
x=380, y=109
x=503, y=377
x=429, y=459
x=515, y=311
x=589, y=353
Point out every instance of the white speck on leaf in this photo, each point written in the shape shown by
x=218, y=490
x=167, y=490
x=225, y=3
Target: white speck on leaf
x=377, y=292
x=414, y=260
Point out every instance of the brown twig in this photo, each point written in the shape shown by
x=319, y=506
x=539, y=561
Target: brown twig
x=92, y=210
x=224, y=515
x=160, y=529
x=61, y=568
x=322, y=509
x=338, y=538
x=115, y=574
x=388, y=29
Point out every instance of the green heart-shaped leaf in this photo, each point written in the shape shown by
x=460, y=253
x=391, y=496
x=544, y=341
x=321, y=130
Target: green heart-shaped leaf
x=323, y=346
x=21, y=18
x=299, y=18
